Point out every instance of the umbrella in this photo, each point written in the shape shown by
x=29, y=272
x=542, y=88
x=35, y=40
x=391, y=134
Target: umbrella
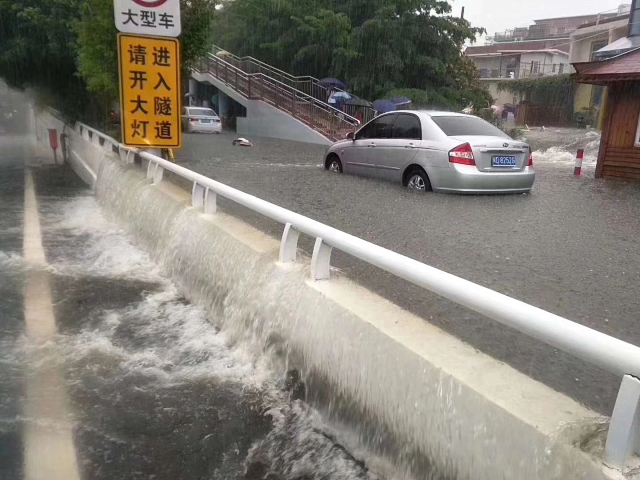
x=384, y=106
x=401, y=101
x=344, y=95
x=358, y=102
x=332, y=83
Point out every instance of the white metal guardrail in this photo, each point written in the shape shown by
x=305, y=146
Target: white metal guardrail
x=604, y=351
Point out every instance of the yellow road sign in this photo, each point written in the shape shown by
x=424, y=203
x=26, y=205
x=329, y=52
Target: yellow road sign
x=149, y=91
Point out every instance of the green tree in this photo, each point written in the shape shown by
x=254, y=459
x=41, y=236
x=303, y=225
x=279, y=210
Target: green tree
x=66, y=50
x=38, y=51
x=376, y=46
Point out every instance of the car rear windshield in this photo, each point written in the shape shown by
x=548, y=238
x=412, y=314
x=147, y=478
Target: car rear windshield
x=461, y=126
x=202, y=112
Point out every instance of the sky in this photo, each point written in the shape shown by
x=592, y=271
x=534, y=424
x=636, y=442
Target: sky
x=501, y=15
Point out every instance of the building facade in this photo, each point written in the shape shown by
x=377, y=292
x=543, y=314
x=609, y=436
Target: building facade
x=586, y=41
x=543, y=49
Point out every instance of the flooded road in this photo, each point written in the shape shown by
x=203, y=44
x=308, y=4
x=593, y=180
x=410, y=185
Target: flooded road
x=129, y=380
x=568, y=247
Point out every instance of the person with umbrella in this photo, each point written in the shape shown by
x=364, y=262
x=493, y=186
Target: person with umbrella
x=338, y=98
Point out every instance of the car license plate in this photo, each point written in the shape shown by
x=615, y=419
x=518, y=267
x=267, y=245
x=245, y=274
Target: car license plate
x=504, y=161
x=205, y=121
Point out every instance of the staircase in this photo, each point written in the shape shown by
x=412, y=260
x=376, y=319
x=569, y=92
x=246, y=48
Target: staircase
x=300, y=97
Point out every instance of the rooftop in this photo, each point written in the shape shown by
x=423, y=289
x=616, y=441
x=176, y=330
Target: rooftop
x=624, y=67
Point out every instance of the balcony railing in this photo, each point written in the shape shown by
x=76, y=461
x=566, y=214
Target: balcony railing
x=528, y=70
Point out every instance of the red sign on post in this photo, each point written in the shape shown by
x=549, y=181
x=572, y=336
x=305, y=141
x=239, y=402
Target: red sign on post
x=159, y=18
x=53, y=138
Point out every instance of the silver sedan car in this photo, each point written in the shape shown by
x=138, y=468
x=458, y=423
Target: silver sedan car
x=201, y=120
x=440, y=151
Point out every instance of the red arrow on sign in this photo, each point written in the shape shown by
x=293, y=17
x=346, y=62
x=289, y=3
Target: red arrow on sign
x=152, y=4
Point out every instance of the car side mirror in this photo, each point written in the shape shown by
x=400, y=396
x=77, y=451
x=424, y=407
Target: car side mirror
x=351, y=136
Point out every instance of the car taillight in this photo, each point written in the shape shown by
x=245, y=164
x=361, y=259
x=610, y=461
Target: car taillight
x=530, y=162
x=462, y=155
x=193, y=120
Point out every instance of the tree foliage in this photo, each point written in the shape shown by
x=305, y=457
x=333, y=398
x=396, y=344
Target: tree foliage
x=66, y=50
x=376, y=46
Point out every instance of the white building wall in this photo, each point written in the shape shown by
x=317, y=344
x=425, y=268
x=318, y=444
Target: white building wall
x=263, y=120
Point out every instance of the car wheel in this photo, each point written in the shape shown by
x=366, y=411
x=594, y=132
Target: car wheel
x=418, y=180
x=334, y=164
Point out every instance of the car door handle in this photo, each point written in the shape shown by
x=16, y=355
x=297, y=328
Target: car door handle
x=411, y=145
x=372, y=145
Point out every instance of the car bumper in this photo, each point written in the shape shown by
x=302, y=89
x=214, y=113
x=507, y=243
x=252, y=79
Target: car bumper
x=467, y=179
x=213, y=128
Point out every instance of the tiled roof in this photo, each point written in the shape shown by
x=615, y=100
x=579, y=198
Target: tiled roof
x=624, y=67
x=626, y=63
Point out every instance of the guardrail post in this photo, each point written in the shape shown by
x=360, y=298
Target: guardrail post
x=321, y=260
x=210, y=202
x=249, y=85
x=151, y=170
x=197, y=195
x=289, y=244
x=622, y=439
x=157, y=174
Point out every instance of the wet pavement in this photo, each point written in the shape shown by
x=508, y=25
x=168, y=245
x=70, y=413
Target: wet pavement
x=568, y=247
x=147, y=385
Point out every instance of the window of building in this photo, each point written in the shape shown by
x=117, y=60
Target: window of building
x=595, y=46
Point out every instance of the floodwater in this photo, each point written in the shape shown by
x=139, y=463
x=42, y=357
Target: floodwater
x=137, y=381
x=568, y=247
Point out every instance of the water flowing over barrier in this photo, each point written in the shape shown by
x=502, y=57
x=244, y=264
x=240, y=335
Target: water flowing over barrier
x=433, y=405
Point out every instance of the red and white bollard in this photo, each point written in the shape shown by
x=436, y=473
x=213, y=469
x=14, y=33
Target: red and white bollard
x=577, y=171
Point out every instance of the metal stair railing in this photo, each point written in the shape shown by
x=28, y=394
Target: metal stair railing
x=307, y=84
x=325, y=119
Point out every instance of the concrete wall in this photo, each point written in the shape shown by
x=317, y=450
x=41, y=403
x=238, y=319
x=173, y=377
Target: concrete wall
x=265, y=120
x=582, y=38
x=432, y=405
x=83, y=155
x=582, y=42
x=500, y=98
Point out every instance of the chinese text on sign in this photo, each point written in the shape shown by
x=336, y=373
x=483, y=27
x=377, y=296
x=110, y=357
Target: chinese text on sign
x=160, y=18
x=149, y=91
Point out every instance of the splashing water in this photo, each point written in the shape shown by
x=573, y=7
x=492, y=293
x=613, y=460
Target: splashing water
x=155, y=389
x=559, y=145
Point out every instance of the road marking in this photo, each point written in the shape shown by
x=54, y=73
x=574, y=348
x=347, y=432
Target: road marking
x=49, y=452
